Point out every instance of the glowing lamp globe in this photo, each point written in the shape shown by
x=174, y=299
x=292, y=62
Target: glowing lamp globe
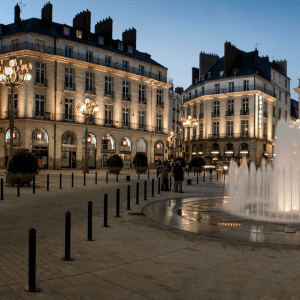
x=8, y=71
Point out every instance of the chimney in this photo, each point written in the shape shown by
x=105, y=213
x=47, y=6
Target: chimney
x=266, y=58
x=17, y=14
x=230, y=55
x=195, y=75
x=179, y=90
x=104, y=29
x=47, y=14
x=129, y=37
x=206, y=61
x=281, y=66
x=82, y=21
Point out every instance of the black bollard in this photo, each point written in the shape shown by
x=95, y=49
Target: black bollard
x=118, y=203
x=137, y=193
x=47, y=182
x=33, y=185
x=224, y=177
x=170, y=182
x=145, y=190
x=18, y=190
x=68, y=237
x=90, y=221
x=60, y=180
x=72, y=184
x=152, y=187
x=148, y=174
x=210, y=174
x=128, y=197
x=197, y=178
x=117, y=178
x=1, y=189
x=138, y=175
x=204, y=176
x=84, y=179
x=105, y=211
x=217, y=175
x=106, y=176
x=159, y=185
x=32, y=262
x=95, y=177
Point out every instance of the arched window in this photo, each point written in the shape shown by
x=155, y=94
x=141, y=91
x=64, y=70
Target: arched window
x=215, y=147
x=159, y=146
x=229, y=148
x=244, y=148
x=108, y=142
x=68, y=138
x=91, y=139
x=16, y=135
x=126, y=143
x=141, y=146
x=40, y=134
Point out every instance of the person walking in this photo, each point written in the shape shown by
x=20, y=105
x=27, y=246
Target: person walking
x=178, y=177
x=164, y=176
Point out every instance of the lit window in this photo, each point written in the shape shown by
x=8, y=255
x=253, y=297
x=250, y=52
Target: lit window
x=130, y=49
x=120, y=46
x=79, y=34
x=279, y=79
x=100, y=40
x=107, y=61
x=221, y=73
x=66, y=31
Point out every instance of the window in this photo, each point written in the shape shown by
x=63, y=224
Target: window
x=201, y=131
x=142, y=119
x=221, y=73
x=285, y=96
x=274, y=111
x=69, y=78
x=285, y=83
x=125, y=116
x=108, y=86
x=15, y=102
x=244, y=126
x=108, y=114
x=183, y=98
x=68, y=51
x=40, y=74
x=196, y=93
x=190, y=96
x=120, y=46
x=89, y=82
x=273, y=131
x=141, y=70
x=68, y=109
x=100, y=40
x=39, y=105
x=279, y=95
x=231, y=86
x=107, y=61
x=209, y=74
x=89, y=56
x=183, y=113
x=229, y=129
x=246, y=85
x=203, y=90
x=15, y=45
x=195, y=111
x=79, y=34
x=142, y=98
x=265, y=132
x=159, y=98
x=279, y=113
x=188, y=111
x=264, y=88
x=125, y=65
x=158, y=75
x=125, y=90
x=235, y=72
x=285, y=115
x=265, y=106
x=279, y=79
x=217, y=88
x=245, y=106
x=201, y=111
x=66, y=30
x=264, y=147
x=216, y=108
x=141, y=146
x=215, y=129
x=274, y=76
x=130, y=49
x=158, y=122
x=230, y=107
x=40, y=45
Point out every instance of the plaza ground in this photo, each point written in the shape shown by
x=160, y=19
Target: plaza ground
x=135, y=258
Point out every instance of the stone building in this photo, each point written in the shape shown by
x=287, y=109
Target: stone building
x=238, y=99
x=71, y=64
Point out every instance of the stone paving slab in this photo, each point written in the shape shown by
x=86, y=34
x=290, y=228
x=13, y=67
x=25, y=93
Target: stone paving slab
x=135, y=258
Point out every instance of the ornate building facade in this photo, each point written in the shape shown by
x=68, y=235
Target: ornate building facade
x=238, y=99
x=71, y=64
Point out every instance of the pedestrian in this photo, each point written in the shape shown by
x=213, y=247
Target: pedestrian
x=164, y=176
x=178, y=177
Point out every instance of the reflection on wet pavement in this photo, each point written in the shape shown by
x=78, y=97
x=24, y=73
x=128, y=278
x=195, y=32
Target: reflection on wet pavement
x=207, y=216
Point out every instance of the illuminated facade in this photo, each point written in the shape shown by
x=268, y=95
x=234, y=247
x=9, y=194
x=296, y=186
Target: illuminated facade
x=71, y=64
x=238, y=99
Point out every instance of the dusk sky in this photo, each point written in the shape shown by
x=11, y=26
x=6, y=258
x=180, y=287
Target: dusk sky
x=175, y=32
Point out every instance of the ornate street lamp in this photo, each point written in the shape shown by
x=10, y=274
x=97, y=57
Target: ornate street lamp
x=87, y=109
x=189, y=122
x=14, y=75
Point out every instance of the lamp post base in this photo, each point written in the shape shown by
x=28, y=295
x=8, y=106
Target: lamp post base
x=85, y=168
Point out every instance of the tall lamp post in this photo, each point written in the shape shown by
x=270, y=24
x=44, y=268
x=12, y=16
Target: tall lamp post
x=189, y=122
x=15, y=74
x=87, y=109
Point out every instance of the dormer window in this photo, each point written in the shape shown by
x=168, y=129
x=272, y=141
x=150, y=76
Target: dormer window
x=120, y=46
x=79, y=34
x=66, y=30
x=130, y=49
x=202, y=78
x=221, y=73
x=235, y=72
x=100, y=40
x=209, y=74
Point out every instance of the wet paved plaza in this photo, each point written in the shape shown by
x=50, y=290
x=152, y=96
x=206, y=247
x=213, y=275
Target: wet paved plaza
x=136, y=257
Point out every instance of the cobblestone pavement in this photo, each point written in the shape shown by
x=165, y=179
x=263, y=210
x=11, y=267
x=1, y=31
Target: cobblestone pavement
x=135, y=258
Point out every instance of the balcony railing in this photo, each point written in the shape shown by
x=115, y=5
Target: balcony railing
x=215, y=114
x=40, y=115
x=16, y=116
x=228, y=135
x=142, y=100
x=125, y=97
x=200, y=137
x=82, y=57
x=90, y=90
x=229, y=112
x=41, y=82
x=160, y=104
x=201, y=116
x=108, y=93
x=70, y=86
x=108, y=122
x=143, y=127
x=265, y=114
x=244, y=112
x=229, y=90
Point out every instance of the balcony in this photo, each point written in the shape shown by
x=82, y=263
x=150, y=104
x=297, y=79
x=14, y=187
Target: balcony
x=90, y=90
x=109, y=94
x=143, y=127
x=16, y=114
x=200, y=137
x=40, y=115
x=160, y=104
x=265, y=114
x=244, y=135
x=41, y=82
x=126, y=97
x=125, y=125
x=142, y=100
x=229, y=112
x=201, y=116
x=214, y=136
x=244, y=112
x=160, y=129
x=82, y=57
x=215, y=114
x=108, y=122
x=70, y=86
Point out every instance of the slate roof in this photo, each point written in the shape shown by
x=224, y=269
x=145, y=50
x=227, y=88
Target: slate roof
x=56, y=31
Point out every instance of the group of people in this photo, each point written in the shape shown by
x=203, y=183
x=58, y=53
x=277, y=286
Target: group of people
x=177, y=172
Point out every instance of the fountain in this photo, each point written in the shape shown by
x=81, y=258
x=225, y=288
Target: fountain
x=270, y=193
